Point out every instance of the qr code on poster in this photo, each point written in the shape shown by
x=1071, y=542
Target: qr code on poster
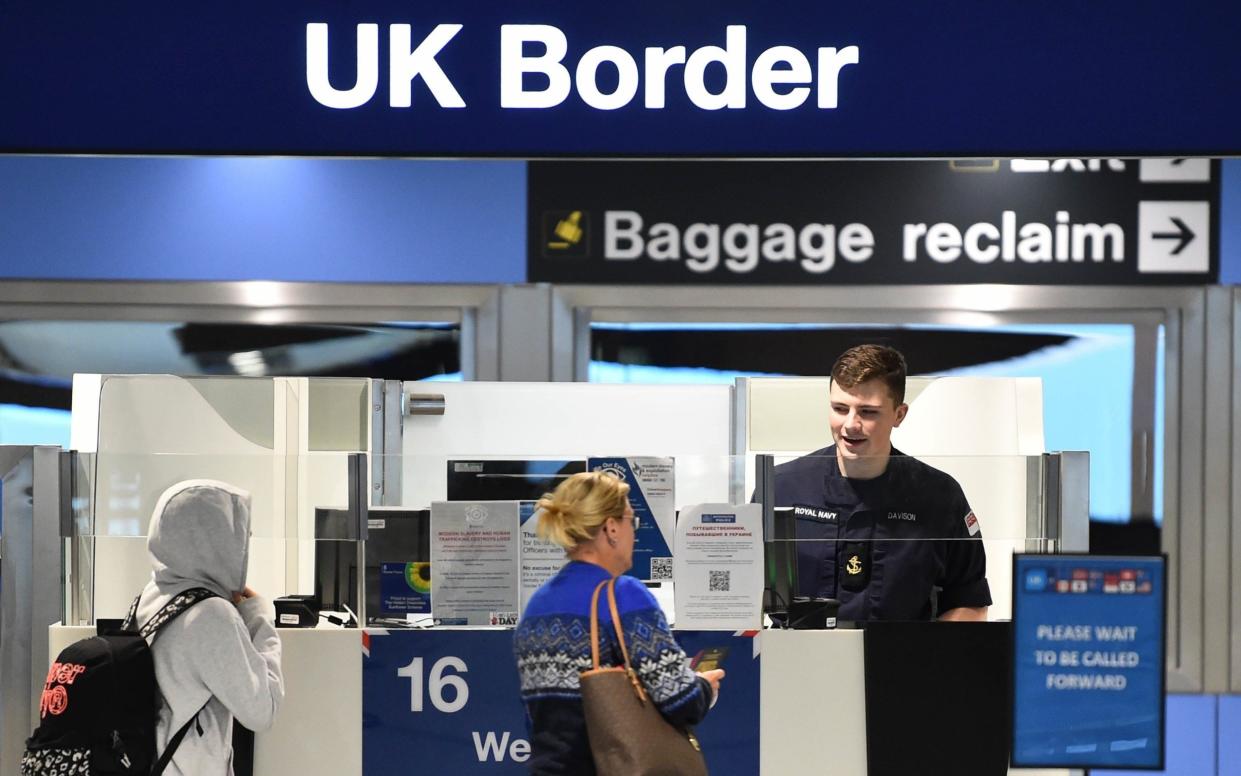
x=718, y=582
x=661, y=568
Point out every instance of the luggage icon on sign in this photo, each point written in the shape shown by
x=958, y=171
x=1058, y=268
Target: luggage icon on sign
x=566, y=233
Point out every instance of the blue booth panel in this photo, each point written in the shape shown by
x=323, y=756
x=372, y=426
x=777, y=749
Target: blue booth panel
x=1229, y=735
x=1191, y=739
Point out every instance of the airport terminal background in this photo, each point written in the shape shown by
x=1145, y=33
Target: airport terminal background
x=102, y=227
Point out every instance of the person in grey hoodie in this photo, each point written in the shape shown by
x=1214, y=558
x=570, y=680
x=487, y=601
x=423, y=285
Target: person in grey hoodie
x=221, y=659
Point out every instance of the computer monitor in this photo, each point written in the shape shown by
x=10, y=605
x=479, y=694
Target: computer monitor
x=507, y=480
x=780, y=562
x=397, y=555
x=782, y=600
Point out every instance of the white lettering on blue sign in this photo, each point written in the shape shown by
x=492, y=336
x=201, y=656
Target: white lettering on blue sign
x=779, y=66
x=404, y=65
x=491, y=747
x=781, y=77
x=1115, y=682
x=437, y=683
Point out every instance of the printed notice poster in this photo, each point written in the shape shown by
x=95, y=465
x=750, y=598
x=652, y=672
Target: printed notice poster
x=404, y=588
x=540, y=560
x=653, y=498
x=475, y=553
x=1088, y=650
x=719, y=567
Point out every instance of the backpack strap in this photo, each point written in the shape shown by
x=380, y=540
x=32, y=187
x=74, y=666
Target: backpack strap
x=174, y=743
x=173, y=609
x=131, y=620
x=179, y=604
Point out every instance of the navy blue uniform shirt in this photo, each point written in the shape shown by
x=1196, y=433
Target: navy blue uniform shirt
x=886, y=545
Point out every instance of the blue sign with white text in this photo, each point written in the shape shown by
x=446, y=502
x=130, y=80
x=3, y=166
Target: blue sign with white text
x=404, y=588
x=1088, y=661
x=650, y=483
x=542, y=78
x=452, y=697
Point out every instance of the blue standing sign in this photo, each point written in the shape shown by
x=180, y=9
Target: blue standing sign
x=1088, y=661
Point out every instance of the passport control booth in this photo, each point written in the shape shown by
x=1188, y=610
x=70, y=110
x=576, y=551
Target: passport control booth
x=354, y=483
x=394, y=522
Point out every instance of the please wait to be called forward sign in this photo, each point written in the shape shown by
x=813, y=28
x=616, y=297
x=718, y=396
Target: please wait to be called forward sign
x=1088, y=657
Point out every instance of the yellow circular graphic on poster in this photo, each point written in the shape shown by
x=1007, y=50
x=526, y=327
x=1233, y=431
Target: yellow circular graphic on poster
x=418, y=576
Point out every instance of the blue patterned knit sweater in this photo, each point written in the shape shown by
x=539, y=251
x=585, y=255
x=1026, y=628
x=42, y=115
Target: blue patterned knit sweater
x=552, y=645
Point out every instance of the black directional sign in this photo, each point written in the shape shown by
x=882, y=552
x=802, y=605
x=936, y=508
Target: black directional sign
x=1033, y=221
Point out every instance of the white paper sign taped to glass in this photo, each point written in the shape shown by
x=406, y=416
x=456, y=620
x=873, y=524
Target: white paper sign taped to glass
x=474, y=562
x=540, y=560
x=719, y=567
x=652, y=496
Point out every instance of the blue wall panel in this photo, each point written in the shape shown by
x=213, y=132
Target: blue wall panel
x=348, y=220
x=1229, y=735
x=1191, y=739
x=1230, y=222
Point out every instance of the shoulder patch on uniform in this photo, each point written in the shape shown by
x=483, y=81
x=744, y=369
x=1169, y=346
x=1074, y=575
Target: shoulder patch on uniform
x=814, y=513
x=971, y=524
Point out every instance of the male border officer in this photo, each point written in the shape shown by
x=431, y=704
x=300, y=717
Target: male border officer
x=896, y=538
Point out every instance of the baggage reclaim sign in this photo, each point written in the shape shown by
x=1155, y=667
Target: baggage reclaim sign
x=1030, y=221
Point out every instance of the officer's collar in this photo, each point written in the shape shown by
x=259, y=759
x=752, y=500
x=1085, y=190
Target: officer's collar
x=896, y=464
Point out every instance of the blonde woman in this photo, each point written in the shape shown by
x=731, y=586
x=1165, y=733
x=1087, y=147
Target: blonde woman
x=589, y=515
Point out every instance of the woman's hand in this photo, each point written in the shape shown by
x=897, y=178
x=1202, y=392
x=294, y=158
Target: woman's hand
x=713, y=678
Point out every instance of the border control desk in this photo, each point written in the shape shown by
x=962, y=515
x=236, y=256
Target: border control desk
x=794, y=702
x=895, y=698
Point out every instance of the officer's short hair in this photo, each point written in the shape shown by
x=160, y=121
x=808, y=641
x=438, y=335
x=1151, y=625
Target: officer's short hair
x=872, y=362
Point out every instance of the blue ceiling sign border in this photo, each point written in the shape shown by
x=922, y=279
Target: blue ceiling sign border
x=723, y=79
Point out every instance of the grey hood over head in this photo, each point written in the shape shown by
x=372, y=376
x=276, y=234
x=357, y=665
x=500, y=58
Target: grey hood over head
x=199, y=537
x=219, y=660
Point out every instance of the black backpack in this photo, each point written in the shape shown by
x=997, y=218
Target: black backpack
x=99, y=707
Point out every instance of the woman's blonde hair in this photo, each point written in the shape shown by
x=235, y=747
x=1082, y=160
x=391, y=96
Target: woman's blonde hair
x=573, y=513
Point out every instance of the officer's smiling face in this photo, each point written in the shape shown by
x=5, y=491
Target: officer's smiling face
x=862, y=419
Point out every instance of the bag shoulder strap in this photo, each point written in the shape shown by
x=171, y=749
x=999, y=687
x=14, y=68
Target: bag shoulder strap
x=594, y=626
x=179, y=604
x=616, y=621
x=610, y=584
x=174, y=742
x=168, y=612
x=131, y=620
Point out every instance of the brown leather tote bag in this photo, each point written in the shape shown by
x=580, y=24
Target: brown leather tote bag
x=628, y=735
